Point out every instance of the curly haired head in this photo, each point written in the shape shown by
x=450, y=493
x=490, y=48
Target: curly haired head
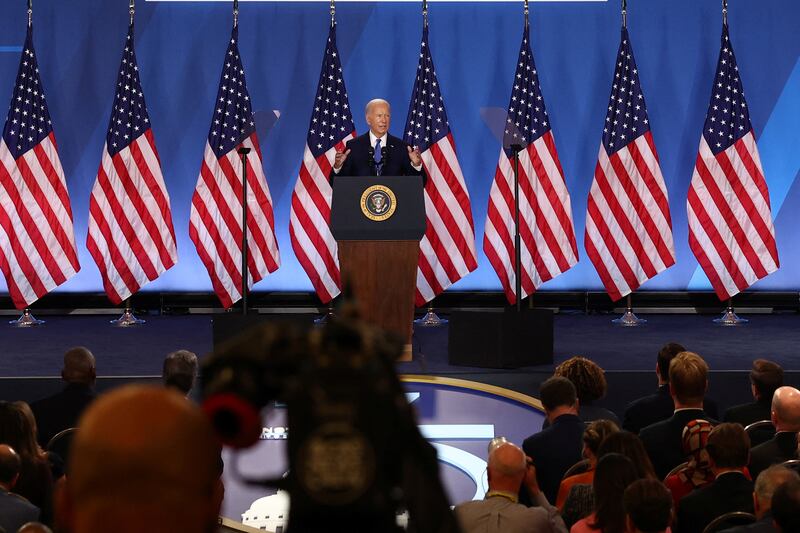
x=588, y=378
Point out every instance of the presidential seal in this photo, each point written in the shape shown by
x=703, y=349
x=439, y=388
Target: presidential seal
x=378, y=203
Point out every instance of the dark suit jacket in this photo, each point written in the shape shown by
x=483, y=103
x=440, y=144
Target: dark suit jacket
x=15, y=511
x=590, y=413
x=782, y=447
x=655, y=408
x=762, y=526
x=662, y=440
x=554, y=450
x=61, y=411
x=395, y=162
x=729, y=492
x=748, y=413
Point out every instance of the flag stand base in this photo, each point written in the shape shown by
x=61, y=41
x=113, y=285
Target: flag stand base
x=430, y=320
x=325, y=317
x=127, y=319
x=27, y=320
x=629, y=320
x=729, y=318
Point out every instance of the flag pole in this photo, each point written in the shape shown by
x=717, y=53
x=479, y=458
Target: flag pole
x=724, y=12
x=328, y=315
x=628, y=318
x=243, y=151
x=624, y=13
x=515, y=150
x=30, y=13
x=429, y=319
x=127, y=318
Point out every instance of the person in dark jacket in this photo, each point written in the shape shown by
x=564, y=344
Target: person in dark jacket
x=728, y=450
x=765, y=378
x=688, y=382
x=659, y=406
x=62, y=410
x=766, y=484
x=783, y=446
x=558, y=447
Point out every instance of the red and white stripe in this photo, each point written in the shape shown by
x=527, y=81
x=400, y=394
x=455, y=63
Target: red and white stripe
x=548, y=246
x=309, y=222
x=628, y=226
x=131, y=236
x=447, y=250
x=37, y=240
x=730, y=220
x=215, y=221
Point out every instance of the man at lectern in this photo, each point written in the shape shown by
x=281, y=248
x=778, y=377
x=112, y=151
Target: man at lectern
x=377, y=153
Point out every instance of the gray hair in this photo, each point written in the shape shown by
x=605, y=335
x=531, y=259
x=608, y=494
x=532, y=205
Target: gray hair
x=375, y=101
x=772, y=478
x=180, y=370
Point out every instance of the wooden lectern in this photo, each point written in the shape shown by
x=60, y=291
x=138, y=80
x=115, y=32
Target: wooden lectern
x=378, y=222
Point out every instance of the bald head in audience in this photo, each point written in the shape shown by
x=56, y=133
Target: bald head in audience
x=34, y=527
x=786, y=409
x=506, y=469
x=143, y=459
x=79, y=366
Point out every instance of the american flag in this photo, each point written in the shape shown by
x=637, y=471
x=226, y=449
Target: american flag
x=447, y=250
x=330, y=128
x=37, y=241
x=131, y=236
x=730, y=221
x=548, y=245
x=215, y=221
x=628, y=226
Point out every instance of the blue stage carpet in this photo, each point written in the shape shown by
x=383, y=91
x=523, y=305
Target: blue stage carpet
x=140, y=351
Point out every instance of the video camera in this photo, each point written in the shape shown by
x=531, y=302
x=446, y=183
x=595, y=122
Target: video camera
x=356, y=456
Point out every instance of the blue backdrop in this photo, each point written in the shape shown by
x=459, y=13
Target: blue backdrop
x=181, y=43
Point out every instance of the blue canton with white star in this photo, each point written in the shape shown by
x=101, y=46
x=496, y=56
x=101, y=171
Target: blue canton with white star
x=728, y=119
x=233, y=115
x=427, y=120
x=627, y=113
x=129, y=118
x=331, y=120
x=527, y=118
x=28, y=121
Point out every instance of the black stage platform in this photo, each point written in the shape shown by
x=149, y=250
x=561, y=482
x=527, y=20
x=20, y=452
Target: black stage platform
x=627, y=354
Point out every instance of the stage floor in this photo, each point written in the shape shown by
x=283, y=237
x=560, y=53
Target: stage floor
x=139, y=351
x=30, y=359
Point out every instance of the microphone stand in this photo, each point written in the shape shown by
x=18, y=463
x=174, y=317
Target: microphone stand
x=243, y=151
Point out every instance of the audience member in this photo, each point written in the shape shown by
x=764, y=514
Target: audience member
x=590, y=386
x=766, y=483
x=688, y=382
x=765, y=378
x=35, y=481
x=581, y=498
x=34, y=527
x=786, y=418
x=728, y=450
x=143, y=459
x=14, y=509
x=615, y=473
x=507, y=471
x=594, y=434
x=62, y=410
x=180, y=371
x=648, y=507
x=786, y=507
x=558, y=447
x=659, y=406
x=697, y=473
